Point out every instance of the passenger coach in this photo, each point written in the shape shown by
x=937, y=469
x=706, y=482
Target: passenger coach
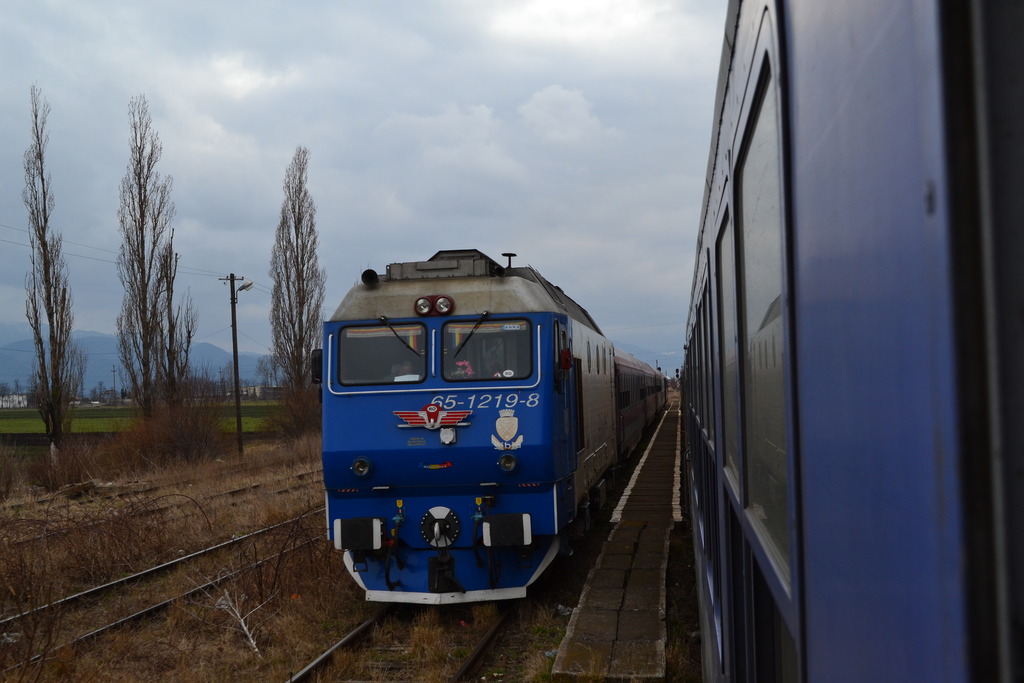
x=854, y=368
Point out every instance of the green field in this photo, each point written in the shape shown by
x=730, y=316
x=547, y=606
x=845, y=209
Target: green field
x=105, y=419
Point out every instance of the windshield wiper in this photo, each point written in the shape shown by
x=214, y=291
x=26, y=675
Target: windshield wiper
x=470, y=335
x=384, y=320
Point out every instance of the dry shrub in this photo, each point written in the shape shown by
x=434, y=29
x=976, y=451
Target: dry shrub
x=94, y=546
x=190, y=431
x=71, y=463
x=117, y=540
x=302, y=449
x=186, y=432
x=297, y=414
x=22, y=591
x=57, y=556
x=9, y=471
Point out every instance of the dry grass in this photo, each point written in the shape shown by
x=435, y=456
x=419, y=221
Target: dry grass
x=298, y=601
x=10, y=471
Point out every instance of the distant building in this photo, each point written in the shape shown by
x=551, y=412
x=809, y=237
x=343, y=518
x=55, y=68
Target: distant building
x=261, y=393
x=14, y=401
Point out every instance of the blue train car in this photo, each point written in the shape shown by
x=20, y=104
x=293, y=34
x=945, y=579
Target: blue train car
x=468, y=411
x=854, y=375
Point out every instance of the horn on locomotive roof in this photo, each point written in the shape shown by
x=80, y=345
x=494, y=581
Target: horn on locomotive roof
x=370, y=277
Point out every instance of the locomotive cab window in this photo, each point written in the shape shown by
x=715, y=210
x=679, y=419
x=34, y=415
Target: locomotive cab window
x=479, y=351
x=382, y=354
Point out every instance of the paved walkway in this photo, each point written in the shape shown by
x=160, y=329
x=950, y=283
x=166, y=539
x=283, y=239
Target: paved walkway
x=617, y=632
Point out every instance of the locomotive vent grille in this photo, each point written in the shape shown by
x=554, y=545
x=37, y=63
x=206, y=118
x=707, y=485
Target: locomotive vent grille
x=444, y=264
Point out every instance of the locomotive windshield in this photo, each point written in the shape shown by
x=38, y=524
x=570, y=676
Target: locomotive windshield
x=382, y=354
x=487, y=350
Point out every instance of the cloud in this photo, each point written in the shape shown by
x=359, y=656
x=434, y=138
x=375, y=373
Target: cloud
x=574, y=133
x=463, y=140
x=239, y=79
x=622, y=35
x=561, y=116
x=578, y=22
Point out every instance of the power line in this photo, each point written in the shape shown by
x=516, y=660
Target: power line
x=4, y=348
x=256, y=341
x=63, y=239
x=185, y=270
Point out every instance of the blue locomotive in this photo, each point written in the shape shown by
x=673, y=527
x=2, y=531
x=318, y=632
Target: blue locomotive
x=853, y=365
x=469, y=414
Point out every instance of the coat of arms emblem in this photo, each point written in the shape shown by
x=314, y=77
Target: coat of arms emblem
x=506, y=426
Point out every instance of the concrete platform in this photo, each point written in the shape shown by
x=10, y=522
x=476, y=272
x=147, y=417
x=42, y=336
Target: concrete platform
x=617, y=632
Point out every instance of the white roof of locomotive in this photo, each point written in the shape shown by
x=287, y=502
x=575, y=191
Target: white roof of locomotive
x=474, y=282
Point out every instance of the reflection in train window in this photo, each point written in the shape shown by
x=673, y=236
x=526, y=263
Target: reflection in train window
x=487, y=350
x=759, y=233
x=727, y=343
x=382, y=354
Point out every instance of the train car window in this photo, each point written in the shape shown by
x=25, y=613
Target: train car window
x=760, y=233
x=708, y=400
x=487, y=351
x=382, y=354
x=727, y=352
x=698, y=369
x=705, y=380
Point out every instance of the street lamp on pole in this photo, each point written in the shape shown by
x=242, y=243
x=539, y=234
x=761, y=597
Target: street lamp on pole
x=232, y=278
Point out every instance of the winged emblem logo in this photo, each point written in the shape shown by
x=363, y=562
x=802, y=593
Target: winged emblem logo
x=432, y=416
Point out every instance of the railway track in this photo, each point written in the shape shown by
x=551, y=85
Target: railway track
x=73, y=620
x=388, y=658
x=145, y=503
x=91, y=494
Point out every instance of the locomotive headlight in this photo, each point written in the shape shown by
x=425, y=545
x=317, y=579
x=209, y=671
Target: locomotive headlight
x=361, y=466
x=508, y=462
x=423, y=305
x=443, y=305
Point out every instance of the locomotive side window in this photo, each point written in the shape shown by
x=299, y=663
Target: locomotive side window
x=382, y=354
x=487, y=351
x=760, y=261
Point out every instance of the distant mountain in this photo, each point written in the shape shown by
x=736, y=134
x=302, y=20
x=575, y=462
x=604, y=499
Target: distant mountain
x=12, y=332
x=17, y=354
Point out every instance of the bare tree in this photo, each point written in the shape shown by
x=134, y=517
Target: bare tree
x=60, y=362
x=298, y=292
x=154, y=337
x=266, y=371
x=180, y=324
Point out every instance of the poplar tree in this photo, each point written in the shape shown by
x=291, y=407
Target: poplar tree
x=154, y=335
x=297, y=297
x=60, y=362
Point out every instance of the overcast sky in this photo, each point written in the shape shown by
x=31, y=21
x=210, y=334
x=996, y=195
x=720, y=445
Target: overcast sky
x=572, y=132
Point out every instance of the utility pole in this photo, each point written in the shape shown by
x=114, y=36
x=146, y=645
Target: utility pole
x=234, y=351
